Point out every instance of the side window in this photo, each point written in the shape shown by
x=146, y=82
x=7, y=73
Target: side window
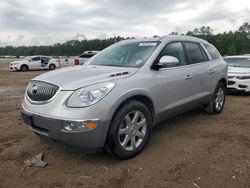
x=174, y=49
x=204, y=54
x=45, y=60
x=212, y=51
x=195, y=53
x=36, y=59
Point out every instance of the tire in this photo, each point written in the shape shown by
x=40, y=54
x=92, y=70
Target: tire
x=24, y=68
x=52, y=67
x=218, y=100
x=126, y=139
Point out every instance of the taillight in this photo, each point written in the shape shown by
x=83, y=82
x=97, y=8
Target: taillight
x=77, y=62
x=59, y=62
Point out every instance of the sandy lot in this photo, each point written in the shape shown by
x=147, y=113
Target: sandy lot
x=191, y=150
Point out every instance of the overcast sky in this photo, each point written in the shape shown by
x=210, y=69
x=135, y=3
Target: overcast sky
x=31, y=22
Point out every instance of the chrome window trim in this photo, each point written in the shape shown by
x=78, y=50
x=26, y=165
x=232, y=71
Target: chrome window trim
x=183, y=66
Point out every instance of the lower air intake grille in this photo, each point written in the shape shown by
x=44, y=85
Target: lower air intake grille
x=230, y=83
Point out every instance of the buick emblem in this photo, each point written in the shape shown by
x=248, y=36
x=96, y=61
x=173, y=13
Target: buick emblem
x=34, y=89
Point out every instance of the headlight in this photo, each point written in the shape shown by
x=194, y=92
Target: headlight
x=243, y=77
x=89, y=95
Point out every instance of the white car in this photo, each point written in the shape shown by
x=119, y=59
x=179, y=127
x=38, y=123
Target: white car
x=35, y=63
x=238, y=73
x=81, y=59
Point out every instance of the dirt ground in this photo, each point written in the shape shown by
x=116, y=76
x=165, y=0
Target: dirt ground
x=191, y=150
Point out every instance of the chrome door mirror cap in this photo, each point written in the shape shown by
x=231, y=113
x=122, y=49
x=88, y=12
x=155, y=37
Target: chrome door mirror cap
x=168, y=61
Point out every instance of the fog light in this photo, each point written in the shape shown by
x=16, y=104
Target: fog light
x=91, y=124
x=78, y=126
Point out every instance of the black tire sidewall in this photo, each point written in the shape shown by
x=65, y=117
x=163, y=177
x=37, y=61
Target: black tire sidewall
x=52, y=67
x=24, y=68
x=220, y=85
x=113, y=143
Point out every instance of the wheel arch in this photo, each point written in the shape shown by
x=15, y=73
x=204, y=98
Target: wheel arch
x=53, y=64
x=223, y=81
x=24, y=65
x=146, y=100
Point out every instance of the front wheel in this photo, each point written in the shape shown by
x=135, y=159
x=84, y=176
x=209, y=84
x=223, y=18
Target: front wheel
x=24, y=68
x=218, y=100
x=129, y=130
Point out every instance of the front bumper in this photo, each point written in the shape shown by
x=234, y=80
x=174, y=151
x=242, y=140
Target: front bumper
x=50, y=131
x=238, y=85
x=13, y=67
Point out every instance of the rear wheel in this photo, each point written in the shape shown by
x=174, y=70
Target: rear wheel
x=129, y=131
x=217, y=103
x=24, y=68
x=52, y=67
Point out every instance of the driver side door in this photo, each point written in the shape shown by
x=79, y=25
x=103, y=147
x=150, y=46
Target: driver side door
x=175, y=84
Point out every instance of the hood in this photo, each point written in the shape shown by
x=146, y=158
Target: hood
x=17, y=62
x=72, y=78
x=238, y=70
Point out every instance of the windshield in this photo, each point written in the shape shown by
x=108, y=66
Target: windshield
x=133, y=54
x=238, y=62
x=27, y=58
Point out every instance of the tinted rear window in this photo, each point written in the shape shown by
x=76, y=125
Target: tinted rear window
x=195, y=53
x=212, y=51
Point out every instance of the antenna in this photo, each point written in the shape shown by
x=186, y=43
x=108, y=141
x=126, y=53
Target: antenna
x=80, y=37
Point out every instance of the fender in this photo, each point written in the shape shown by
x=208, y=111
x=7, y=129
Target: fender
x=129, y=95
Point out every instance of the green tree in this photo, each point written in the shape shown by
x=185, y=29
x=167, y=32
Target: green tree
x=245, y=28
x=232, y=50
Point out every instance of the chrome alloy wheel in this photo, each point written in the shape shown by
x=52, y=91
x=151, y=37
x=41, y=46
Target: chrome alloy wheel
x=132, y=130
x=219, y=99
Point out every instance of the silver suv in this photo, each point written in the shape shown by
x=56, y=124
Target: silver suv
x=115, y=99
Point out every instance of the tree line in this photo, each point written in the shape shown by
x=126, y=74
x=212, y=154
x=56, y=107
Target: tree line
x=69, y=48
x=228, y=43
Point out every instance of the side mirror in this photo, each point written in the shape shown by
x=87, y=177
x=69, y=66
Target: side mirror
x=168, y=61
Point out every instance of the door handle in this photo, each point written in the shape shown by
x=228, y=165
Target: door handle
x=188, y=77
x=211, y=71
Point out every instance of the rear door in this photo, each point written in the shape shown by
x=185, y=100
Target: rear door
x=214, y=68
x=200, y=72
x=45, y=61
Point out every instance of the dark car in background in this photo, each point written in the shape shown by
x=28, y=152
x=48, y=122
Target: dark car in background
x=81, y=59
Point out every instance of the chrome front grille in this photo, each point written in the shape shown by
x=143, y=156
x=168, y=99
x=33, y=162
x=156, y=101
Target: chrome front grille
x=41, y=91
